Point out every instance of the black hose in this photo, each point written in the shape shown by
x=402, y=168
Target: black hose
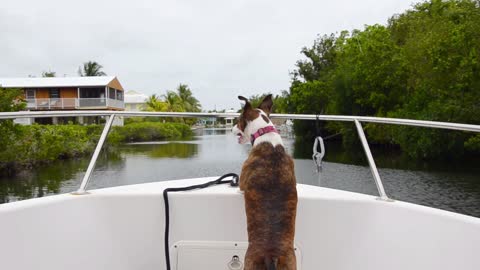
x=233, y=183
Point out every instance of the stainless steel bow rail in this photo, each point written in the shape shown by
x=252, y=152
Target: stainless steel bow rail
x=357, y=120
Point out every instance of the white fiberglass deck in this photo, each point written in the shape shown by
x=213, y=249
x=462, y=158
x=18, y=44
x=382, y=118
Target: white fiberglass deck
x=122, y=228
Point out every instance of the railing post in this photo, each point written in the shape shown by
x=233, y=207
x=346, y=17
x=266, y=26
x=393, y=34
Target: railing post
x=371, y=162
x=91, y=165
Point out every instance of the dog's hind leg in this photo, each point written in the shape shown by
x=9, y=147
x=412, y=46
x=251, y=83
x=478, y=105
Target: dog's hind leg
x=271, y=263
x=249, y=263
x=290, y=262
x=253, y=262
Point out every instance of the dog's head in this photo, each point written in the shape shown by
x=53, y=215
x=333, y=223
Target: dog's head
x=251, y=119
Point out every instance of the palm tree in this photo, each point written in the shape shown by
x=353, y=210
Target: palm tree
x=187, y=100
x=91, y=68
x=46, y=74
x=155, y=104
x=173, y=102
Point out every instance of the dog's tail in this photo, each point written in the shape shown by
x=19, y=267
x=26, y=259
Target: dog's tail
x=271, y=263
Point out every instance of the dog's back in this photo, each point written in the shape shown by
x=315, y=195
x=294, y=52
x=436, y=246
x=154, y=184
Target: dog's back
x=268, y=180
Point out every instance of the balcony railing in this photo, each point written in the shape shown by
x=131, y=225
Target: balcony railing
x=72, y=103
x=115, y=103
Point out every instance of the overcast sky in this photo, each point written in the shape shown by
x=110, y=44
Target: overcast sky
x=220, y=48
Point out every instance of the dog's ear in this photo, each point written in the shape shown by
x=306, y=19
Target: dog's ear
x=247, y=106
x=266, y=104
x=248, y=112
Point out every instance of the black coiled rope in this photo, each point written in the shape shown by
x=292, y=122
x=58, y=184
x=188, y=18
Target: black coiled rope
x=219, y=181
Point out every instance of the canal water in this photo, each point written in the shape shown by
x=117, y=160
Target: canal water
x=453, y=187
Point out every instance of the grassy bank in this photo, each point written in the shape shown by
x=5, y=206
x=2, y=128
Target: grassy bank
x=23, y=147
x=149, y=131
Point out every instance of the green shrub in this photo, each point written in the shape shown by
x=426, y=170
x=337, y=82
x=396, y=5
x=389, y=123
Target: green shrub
x=148, y=131
x=30, y=145
x=27, y=146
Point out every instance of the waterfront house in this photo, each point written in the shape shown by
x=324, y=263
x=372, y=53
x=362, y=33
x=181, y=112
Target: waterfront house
x=68, y=93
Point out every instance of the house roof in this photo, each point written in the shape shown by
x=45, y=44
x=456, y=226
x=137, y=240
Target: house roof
x=57, y=82
x=135, y=97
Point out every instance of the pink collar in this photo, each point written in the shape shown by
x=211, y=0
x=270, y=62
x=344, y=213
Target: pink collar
x=262, y=131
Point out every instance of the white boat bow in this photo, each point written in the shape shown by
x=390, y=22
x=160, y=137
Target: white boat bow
x=123, y=227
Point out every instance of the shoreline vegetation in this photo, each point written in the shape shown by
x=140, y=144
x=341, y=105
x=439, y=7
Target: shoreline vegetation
x=423, y=64
x=24, y=147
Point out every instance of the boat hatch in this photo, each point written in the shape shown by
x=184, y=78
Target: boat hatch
x=213, y=255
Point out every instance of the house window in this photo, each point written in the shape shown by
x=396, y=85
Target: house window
x=54, y=93
x=111, y=93
x=92, y=92
x=30, y=94
x=119, y=95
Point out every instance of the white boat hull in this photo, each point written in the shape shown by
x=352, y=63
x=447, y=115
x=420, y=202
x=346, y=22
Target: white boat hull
x=122, y=228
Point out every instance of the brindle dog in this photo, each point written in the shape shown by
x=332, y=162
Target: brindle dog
x=269, y=185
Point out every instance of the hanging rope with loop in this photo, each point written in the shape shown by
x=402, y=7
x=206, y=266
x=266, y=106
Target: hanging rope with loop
x=318, y=156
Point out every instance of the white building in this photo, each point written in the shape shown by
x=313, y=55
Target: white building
x=135, y=101
x=229, y=120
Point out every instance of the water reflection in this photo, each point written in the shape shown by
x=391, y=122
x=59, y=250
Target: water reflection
x=53, y=178
x=38, y=182
x=335, y=152
x=162, y=150
x=212, y=131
